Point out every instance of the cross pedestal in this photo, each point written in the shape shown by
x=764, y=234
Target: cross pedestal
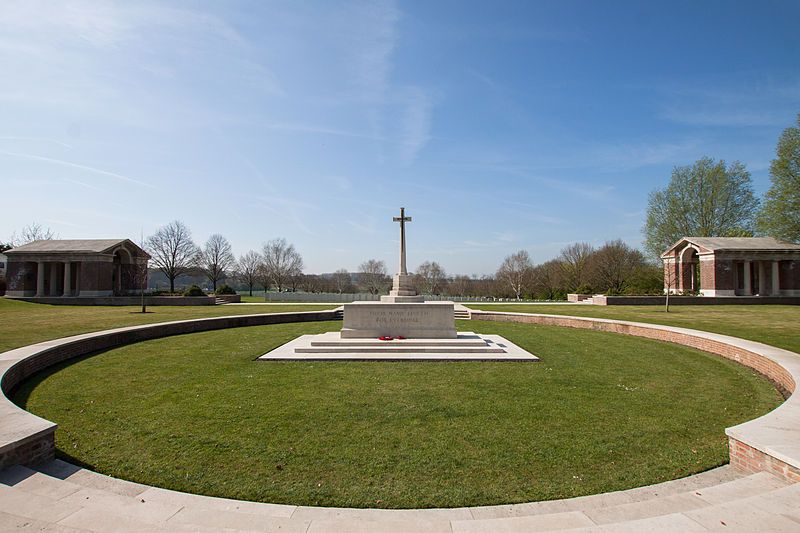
x=402, y=284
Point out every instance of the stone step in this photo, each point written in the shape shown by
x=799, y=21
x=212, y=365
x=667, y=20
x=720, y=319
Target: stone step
x=390, y=348
x=73, y=498
x=462, y=340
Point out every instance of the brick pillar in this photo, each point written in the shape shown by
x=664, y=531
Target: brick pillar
x=748, y=290
x=40, y=266
x=776, y=278
x=762, y=278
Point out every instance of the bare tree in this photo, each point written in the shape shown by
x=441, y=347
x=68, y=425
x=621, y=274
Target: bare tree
x=459, y=286
x=216, y=259
x=573, y=260
x=341, y=281
x=247, y=269
x=516, y=272
x=172, y=250
x=614, y=264
x=430, y=277
x=373, y=276
x=32, y=232
x=281, y=262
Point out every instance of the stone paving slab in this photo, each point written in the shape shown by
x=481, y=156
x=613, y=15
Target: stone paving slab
x=233, y=520
x=546, y=522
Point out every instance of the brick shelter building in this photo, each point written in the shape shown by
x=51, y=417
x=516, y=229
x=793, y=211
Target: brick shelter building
x=732, y=266
x=75, y=268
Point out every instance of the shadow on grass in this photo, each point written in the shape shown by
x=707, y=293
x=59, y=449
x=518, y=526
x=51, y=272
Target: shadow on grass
x=21, y=393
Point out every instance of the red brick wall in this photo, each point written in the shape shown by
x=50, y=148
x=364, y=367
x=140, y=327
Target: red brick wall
x=748, y=459
x=708, y=274
x=20, y=276
x=96, y=276
x=723, y=275
x=790, y=275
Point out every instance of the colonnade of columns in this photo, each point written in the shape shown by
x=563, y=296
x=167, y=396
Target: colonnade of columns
x=53, y=290
x=775, y=288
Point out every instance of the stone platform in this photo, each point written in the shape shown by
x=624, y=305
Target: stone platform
x=466, y=346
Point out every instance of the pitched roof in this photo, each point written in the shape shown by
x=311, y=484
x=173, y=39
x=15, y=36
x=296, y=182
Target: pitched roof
x=715, y=244
x=74, y=246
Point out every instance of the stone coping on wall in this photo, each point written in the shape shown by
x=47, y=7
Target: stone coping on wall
x=776, y=434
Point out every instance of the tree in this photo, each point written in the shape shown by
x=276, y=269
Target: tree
x=430, y=277
x=216, y=259
x=706, y=199
x=780, y=215
x=549, y=284
x=614, y=264
x=32, y=232
x=341, y=281
x=247, y=269
x=373, y=276
x=172, y=250
x=5, y=246
x=573, y=261
x=459, y=286
x=516, y=272
x=281, y=262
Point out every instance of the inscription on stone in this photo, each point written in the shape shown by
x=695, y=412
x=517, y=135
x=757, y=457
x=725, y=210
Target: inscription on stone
x=401, y=317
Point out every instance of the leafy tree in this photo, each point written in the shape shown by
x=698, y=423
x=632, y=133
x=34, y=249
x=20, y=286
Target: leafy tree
x=430, y=277
x=780, y=215
x=706, y=199
x=373, y=276
x=216, y=259
x=173, y=251
x=516, y=273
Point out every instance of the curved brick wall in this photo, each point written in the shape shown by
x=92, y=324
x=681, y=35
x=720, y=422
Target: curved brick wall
x=768, y=443
x=28, y=439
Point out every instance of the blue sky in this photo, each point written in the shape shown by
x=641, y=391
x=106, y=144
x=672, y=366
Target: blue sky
x=498, y=125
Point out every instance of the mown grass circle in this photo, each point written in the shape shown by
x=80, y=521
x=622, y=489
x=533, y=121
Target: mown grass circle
x=197, y=413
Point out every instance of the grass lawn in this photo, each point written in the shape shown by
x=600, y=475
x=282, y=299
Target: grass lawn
x=196, y=413
x=23, y=323
x=778, y=325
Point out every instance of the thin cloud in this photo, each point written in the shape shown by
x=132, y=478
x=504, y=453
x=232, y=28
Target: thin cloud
x=78, y=166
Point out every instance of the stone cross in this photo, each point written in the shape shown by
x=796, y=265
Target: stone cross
x=402, y=219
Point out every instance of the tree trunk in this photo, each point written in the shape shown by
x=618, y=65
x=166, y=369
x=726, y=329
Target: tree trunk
x=172, y=284
x=251, y=289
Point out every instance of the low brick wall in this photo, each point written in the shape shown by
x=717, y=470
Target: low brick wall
x=229, y=298
x=121, y=300
x=695, y=300
x=781, y=377
x=37, y=445
x=578, y=297
x=752, y=460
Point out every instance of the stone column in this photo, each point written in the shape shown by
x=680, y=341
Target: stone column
x=67, y=279
x=78, y=279
x=40, y=266
x=53, y=279
x=748, y=291
x=776, y=278
x=762, y=274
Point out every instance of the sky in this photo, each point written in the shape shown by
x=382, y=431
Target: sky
x=499, y=126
